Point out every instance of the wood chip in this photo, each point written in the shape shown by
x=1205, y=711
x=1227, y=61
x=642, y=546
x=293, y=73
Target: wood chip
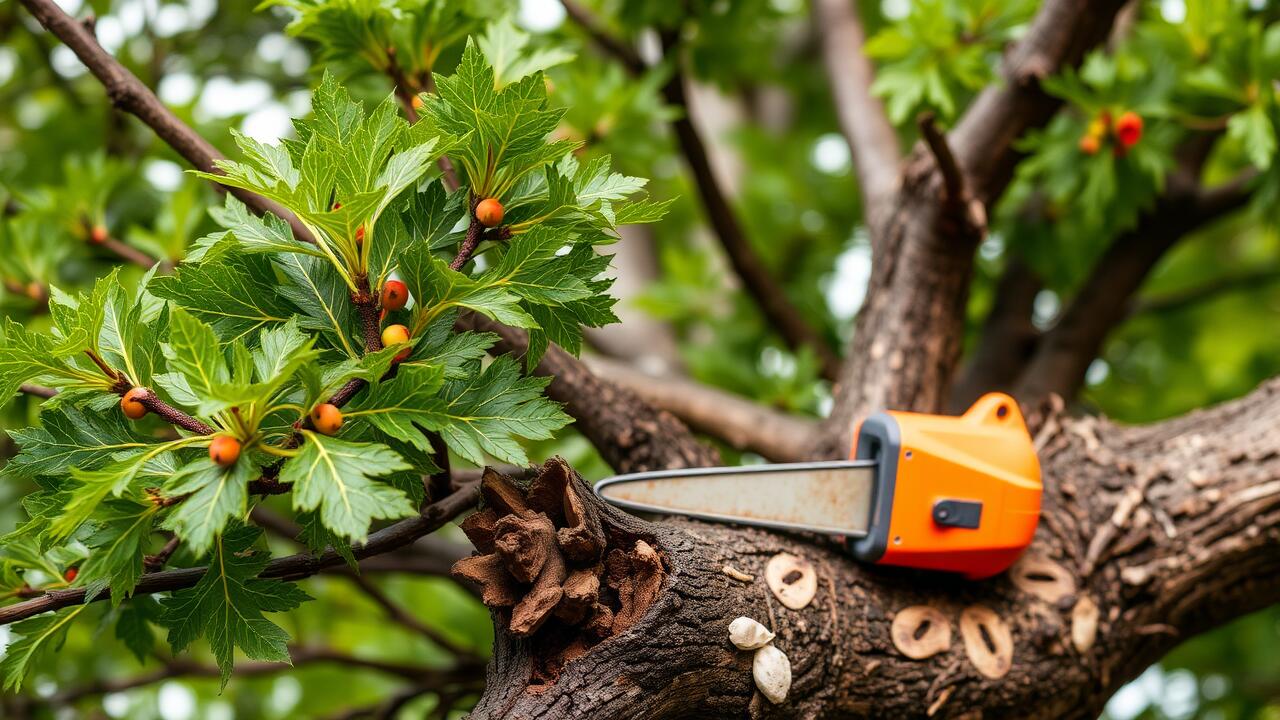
x=498, y=588
x=737, y=574
x=1043, y=578
x=987, y=641
x=479, y=529
x=921, y=631
x=524, y=542
x=792, y=580
x=1084, y=624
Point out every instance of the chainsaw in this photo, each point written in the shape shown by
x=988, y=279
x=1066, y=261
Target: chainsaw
x=956, y=494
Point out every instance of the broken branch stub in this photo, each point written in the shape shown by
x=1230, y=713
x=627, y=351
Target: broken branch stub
x=542, y=547
x=921, y=631
x=987, y=641
x=1043, y=578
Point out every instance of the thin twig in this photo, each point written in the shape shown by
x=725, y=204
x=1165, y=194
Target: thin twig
x=155, y=563
x=173, y=415
x=403, y=618
x=468, y=247
x=38, y=390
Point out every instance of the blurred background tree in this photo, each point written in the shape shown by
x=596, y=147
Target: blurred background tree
x=1204, y=327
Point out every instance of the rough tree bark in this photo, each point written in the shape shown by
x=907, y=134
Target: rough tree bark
x=1149, y=535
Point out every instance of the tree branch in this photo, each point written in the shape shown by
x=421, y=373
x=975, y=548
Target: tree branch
x=739, y=422
x=1183, y=518
x=403, y=618
x=908, y=336
x=1007, y=340
x=1068, y=348
x=767, y=293
x=1059, y=36
x=128, y=93
x=861, y=115
x=299, y=656
x=292, y=567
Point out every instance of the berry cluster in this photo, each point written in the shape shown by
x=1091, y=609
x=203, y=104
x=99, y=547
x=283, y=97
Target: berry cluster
x=1127, y=131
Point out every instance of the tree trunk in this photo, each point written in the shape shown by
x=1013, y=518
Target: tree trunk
x=1149, y=535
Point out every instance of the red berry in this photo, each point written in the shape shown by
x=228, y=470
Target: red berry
x=489, y=212
x=224, y=450
x=1129, y=128
x=326, y=418
x=394, y=335
x=394, y=295
x=337, y=206
x=132, y=405
x=97, y=235
x=359, y=235
x=71, y=574
x=1089, y=145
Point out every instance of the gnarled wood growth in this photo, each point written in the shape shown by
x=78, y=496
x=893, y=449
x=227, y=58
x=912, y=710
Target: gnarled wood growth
x=1149, y=535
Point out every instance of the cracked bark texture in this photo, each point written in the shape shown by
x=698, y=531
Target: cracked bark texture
x=1168, y=530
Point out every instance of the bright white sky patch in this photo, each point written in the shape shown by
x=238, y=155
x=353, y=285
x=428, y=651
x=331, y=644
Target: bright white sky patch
x=540, y=15
x=223, y=97
x=163, y=175
x=1174, y=11
x=831, y=154
x=269, y=124
x=177, y=702
x=178, y=88
x=847, y=286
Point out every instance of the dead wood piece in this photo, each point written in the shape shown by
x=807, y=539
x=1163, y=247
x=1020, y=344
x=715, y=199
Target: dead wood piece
x=582, y=538
x=524, y=542
x=498, y=588
x=921, y=631
x=547, y=492
x=637, y=578
x=601, y=623
x=792, y=580
x=581, y=594
x=987, y=641
x=501, y=494
x=1043, y=578
x=533, y=610
x=479, y=529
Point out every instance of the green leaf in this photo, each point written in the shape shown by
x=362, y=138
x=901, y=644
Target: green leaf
x=318, y=292
x=504, y=45
x=194, y=351
x=253, y=234
x=1255, y=133
x=232, y=292
x=34, y=636
x=227, y=604
x=69, y=437
x=336, y=477
x=437, y=288
x=484, y=413
x=134, y=626
x=216, y=496
x=116, y=548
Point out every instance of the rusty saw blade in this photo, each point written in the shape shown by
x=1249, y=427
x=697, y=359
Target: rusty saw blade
x=832, y=498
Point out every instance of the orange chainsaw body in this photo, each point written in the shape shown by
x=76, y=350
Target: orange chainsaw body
x=959, y=494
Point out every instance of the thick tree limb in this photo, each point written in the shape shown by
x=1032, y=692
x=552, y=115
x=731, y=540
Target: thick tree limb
x=1149, y=535
x=907, y=339
x=861, y=115
x=1067, y=349
x=292, y=567
x=630, y=434
x=128, y=93
x=739, y=422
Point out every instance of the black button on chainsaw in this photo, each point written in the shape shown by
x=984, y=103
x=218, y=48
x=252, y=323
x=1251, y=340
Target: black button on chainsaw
x=958, y=513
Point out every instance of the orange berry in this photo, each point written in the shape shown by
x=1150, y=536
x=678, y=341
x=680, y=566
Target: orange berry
x=1089, y=145
x=417, y=103
x=394, y=295
x=224, y=450
x=71, y=574
x=489, y=212
x=97, y=235
x=394, y=335
x=326, y=418
x=359, y=235
x=132, y=405
x=1129, y=128
x=35, y=291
